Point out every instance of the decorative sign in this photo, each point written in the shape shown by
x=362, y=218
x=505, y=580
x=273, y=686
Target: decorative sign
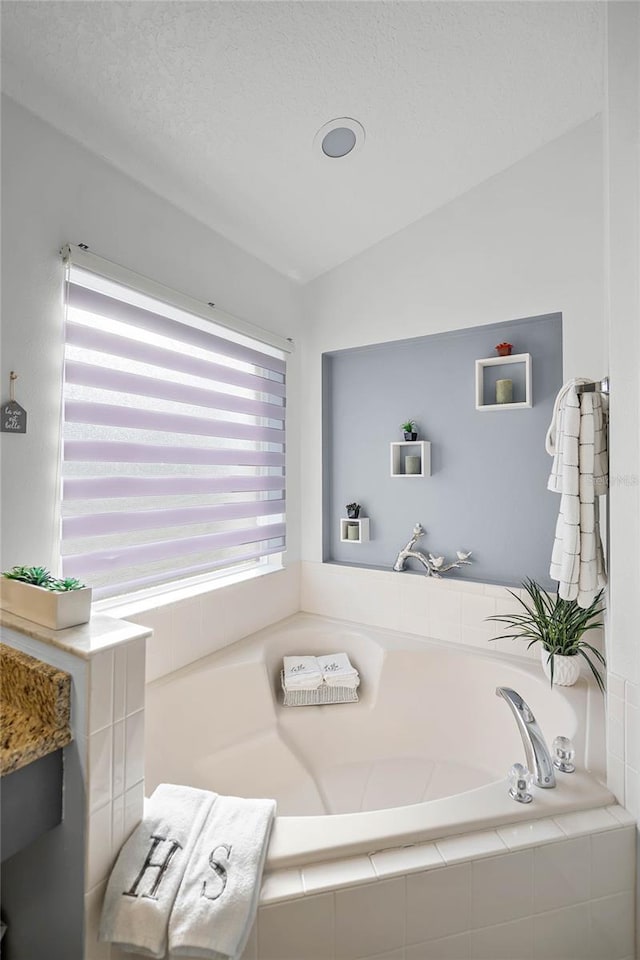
x=13, y=417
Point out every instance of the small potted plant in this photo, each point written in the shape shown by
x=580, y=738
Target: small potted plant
x=33, y=593
x=353, y=510
x=504, y=349
x=559, y=627
x=410, y=433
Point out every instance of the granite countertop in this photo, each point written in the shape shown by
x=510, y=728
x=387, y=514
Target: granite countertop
x=35, y=709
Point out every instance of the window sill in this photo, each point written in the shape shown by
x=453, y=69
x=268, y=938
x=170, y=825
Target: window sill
x=122, y=608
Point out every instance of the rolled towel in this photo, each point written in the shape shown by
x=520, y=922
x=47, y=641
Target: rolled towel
x=146, y=876
x=302, y=673
x=218, y=897
x=337, y=671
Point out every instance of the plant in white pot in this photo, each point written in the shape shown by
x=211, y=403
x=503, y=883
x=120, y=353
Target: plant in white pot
x=559, y=626
x=33, y=593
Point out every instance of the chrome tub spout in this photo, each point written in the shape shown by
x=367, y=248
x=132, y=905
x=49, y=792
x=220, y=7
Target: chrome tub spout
x=536, y=750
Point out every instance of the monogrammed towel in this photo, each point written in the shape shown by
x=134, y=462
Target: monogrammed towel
x=145, y=879
x=337, y=671
x=218, y=897
x=302, y=673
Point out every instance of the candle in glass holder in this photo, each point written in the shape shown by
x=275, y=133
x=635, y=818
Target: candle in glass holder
x=412, y=464
x=353, y=532
x=504, y=391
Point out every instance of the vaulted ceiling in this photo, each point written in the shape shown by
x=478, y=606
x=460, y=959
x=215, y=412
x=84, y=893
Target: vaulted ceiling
x=215, y=105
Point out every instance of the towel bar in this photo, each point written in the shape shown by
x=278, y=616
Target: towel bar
x=599, y=386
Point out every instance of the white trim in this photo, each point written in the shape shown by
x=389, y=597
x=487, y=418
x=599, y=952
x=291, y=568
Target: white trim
x=135, y=281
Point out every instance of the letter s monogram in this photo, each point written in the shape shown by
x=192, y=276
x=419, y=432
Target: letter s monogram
x=219, y=869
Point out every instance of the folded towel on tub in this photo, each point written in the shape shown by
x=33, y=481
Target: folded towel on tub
x=337, y=671
x=218, y=896
x=302, y=673
x=145, y=879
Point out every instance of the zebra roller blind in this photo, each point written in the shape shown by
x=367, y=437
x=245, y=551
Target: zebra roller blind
x=173, y=442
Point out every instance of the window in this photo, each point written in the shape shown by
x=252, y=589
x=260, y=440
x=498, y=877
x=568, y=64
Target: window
x=173, y=442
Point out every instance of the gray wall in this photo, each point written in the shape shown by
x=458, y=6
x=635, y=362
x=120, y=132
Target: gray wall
x=487, y=492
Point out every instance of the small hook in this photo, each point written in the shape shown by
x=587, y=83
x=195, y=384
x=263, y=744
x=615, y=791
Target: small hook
x=13, y=376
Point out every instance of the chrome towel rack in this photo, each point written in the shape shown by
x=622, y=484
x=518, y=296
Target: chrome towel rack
x=599, y=386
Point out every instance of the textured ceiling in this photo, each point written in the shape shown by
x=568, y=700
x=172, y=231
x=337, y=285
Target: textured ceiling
x=215, y=105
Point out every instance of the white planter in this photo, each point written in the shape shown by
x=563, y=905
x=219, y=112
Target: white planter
x=566, y=670
x=55, y=610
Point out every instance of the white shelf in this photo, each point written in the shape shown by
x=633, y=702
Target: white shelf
x=401, y=449
x=521, y=358
x=362, y=526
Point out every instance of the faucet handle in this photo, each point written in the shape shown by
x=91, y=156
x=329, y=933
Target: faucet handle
x=564, y=754
x=520, y=780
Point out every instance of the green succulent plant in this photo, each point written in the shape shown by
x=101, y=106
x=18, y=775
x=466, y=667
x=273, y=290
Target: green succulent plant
x=41, y=577
x=559, y=625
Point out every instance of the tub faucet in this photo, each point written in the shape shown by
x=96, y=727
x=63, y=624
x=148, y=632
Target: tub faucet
x=535, y=748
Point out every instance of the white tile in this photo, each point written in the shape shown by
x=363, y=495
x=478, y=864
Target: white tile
x=403, y=860
x=613, y=856
x=118, y=734
x=615, y=732
x=186, y=631
x=622, y=816
x=369, y=919
x=562, y=873
x=563, y=934
x=615, y=685
x=501, y=888
x=134, y=749
x=159, y=655
x=632, y=693
x=98, y=854
x=612, y=926
x=615, y=778
x=445, y=948
x=476, y=609
x=298, y=930
x=93, y=949
x=135, y=676
x=101, y=691
x=615, y=707
x=585, y=822
x=133, y=808
x=119, y=682
x=508, y=941
x=632, y=791
x=468, y=846
x=117, y=825
x=438, y=903
x=100, y=768
x=281, y=885
x=213, y=621
x=530, y=834
x=632, y=737
x=341, y=873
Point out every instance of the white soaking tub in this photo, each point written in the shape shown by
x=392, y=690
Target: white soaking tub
x=424, y=754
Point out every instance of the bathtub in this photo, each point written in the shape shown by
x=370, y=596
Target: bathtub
x=423, y=755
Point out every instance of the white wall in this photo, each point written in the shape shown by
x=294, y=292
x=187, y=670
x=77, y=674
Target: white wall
x=54, y=192
x=527, y=242
x=622, y=263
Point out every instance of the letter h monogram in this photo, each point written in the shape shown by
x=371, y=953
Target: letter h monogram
x=161, y=867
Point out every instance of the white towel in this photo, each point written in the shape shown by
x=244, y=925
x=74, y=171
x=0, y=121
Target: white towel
x=302, y=673
x=577, y=440
x=218, y=897
x=145, y=879
x=337, y=671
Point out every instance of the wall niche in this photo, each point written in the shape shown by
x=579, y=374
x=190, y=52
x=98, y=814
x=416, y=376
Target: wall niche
x=487, y=488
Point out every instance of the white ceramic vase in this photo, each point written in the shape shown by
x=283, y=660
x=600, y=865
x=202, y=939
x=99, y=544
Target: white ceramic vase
x=566, y=670
x=54, y=610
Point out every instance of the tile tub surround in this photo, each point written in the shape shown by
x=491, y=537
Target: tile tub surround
x=35, y=709
x=107, y=660
x=392, y=775
x=555, y=889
